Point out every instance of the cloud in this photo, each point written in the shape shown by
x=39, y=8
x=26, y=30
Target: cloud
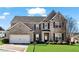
x=34, y=11
x=2, y=17
x=6, y=13
x=44, y=15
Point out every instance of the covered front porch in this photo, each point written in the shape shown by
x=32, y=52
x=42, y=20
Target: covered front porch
x=45, y=36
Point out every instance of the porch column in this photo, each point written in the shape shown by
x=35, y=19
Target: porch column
x=51, y=36
x=42, y=36
x=31, y=36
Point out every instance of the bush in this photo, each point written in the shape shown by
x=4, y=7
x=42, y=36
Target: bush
x=5, y=41
x=72, y=43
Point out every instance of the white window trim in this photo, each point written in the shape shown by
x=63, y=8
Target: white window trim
x=58, y=34
x=45, y=25
x=37, y=25
x=58, y=24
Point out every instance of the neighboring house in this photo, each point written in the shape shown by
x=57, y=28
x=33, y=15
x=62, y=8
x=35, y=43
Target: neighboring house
x=27, y=29
x=75, y=36
x=2, y=32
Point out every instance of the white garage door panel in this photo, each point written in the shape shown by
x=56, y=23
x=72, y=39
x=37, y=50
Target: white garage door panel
x=19, y=38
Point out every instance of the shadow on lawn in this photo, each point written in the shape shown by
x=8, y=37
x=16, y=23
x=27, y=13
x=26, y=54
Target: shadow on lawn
x=42, y=44
x=77, y=45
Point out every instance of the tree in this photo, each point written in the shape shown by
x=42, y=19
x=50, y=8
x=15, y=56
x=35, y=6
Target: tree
x=72, y=26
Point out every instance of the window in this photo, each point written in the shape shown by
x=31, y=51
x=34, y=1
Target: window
x=46, y=25
x=57, y=24
x=37, y=26
x=37, y=36
x=58, y=36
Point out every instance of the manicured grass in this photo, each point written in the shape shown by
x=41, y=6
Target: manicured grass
x=53, y=48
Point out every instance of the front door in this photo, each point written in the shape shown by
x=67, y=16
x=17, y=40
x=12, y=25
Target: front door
x=46, y=37
x=36, y=37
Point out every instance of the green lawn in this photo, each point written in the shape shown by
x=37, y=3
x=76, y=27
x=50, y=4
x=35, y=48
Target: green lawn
x=53, y=48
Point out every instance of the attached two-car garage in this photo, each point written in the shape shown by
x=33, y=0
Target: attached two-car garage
x=19, y=39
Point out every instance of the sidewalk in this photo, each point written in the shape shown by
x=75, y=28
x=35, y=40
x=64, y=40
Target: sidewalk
x=14, y=47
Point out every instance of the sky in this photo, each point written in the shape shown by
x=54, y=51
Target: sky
x=8, y=13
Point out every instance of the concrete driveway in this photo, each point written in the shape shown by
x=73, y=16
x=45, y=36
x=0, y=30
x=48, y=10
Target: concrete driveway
x=13, y=48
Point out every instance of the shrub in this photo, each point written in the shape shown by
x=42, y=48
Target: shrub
x=5, y=41
x=72, y=43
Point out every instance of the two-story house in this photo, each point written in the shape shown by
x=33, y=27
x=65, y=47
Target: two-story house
x=27, y=29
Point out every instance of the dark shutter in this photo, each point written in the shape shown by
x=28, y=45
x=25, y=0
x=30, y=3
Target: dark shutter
x=60, y=25
x=34, y=26
x=62, y=36
x=54, y=36
x=39, y=26
x=54, y=24
x=48, y=26
x=40, y=37
x=43, y=25
x=34, y=38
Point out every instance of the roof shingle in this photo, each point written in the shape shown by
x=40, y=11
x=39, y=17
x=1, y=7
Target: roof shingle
x=27, y=19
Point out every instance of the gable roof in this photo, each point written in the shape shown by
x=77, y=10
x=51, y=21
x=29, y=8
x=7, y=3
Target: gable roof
x=50, y=16
x=62, y=16
x=1, y=29
x=17, y=24
x=27, y=19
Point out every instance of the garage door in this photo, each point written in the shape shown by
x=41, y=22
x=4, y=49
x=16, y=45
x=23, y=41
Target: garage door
x=19, y=39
